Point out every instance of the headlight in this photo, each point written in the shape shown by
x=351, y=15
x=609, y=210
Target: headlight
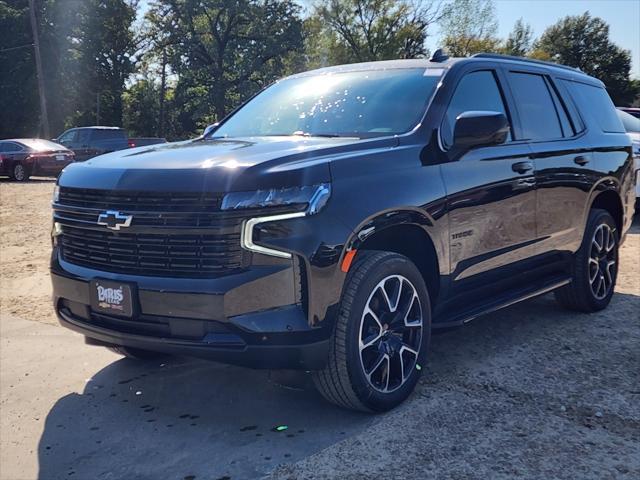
x=56, y=194
x=309, y=198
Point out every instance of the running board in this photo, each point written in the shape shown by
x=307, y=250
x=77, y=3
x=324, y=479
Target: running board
x=519, y=296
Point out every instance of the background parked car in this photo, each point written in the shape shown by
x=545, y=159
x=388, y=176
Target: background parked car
x=632, y=126
x=145, y=141
x=22, y=157
x=88, y=142
x=635, y=112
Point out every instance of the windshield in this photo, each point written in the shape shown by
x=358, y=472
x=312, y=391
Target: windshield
x=631, y=123
x=356, y=104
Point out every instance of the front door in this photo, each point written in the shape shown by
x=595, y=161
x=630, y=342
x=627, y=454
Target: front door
x=491, y=199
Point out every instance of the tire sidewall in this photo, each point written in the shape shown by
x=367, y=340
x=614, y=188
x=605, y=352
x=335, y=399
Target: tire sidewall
x=16, y=167
x=597, y=218
x=392, y=265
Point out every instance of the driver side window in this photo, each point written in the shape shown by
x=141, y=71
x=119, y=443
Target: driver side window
x=477, y=91
x=68, y=137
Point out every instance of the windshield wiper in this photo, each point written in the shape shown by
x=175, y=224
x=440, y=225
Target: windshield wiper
x=309, y=134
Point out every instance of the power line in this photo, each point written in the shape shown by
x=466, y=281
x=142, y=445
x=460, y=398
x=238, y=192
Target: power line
x=16, y=48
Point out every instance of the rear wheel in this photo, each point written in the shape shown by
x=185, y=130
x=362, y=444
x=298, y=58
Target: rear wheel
x=136, y=353
x=381, y=336
x=595, y=266
x=19, y=172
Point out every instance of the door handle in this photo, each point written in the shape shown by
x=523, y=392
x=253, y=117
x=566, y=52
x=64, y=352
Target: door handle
x=581, y=160
x=522, y=167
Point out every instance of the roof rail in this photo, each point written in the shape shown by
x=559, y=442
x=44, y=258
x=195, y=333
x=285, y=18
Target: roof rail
x=499, y=56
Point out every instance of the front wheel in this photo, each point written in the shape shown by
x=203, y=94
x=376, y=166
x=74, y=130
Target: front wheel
x=595, y=266
x=381, y=335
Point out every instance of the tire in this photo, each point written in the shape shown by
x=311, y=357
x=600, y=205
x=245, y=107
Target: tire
x=593, y=275
x=19, y=172
x=136, y=353
x=349, y=378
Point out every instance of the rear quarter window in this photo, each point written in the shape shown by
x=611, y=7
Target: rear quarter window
x=108, y=135
x=595, y=102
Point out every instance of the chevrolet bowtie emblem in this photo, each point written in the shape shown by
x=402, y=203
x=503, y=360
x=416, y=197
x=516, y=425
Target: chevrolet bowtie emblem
x=114, y=220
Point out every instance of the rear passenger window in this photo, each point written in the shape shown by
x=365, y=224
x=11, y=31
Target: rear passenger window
x=476, y=91
x=538, y=115
x=567, y=128
x=103, y=134
x=596, y=101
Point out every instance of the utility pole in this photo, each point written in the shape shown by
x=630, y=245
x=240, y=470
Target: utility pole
x=44, y=117
x=163, y=86
x=98, y=108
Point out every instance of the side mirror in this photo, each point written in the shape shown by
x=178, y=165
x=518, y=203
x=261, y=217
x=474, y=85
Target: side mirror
x=480, y=129
x=210, y=128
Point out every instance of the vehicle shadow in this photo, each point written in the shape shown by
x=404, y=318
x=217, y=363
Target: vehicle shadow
x=191, y=419
x=186, y=418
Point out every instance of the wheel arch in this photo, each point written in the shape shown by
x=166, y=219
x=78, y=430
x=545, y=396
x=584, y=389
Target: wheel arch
x=407, y=233
x=609, y=199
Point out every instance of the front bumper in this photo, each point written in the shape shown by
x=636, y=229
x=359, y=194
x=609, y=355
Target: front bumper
x=253, y=318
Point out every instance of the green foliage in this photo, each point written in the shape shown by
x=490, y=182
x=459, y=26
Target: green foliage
x=582, y=41
x=520, y=40
x=223, y=51
x=469, y=27
x=19, y=110
x=105, y=59
x=217, y=53
x=346, y=31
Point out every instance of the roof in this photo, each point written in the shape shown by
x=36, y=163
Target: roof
x=99, y=127
x=427, y=63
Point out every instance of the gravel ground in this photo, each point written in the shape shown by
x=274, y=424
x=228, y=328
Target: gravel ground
x=531, y=391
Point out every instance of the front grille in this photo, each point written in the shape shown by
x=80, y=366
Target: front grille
x=136, y=201
x=170, y=239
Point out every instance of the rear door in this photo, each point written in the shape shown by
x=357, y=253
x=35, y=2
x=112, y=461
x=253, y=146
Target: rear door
x=491, y=198
x=563, y=162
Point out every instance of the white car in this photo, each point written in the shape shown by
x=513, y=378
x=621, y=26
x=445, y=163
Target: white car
x=632, y=126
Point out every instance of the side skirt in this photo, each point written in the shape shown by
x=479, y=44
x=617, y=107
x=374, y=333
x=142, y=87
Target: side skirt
x=500, y=302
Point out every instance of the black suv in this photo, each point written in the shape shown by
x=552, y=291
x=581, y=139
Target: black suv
x=88, y=142
x=339, y=216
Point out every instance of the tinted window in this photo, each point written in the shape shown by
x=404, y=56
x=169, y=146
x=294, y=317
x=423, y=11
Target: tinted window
x=82, y=137
x=538, y=115
x=595, y=101
x=102, y=134
x=361, y=104
x=476, y=91
x=68, y=136
x=12, y=147
x=567, y=128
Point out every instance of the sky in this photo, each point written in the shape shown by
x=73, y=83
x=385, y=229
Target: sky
x=623, y=17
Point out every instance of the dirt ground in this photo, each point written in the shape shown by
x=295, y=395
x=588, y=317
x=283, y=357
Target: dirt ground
x=531, y=391
x=25, y=246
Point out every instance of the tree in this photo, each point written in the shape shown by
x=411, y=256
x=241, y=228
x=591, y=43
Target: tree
x=19, y=110
x=223, y=51
x=520, y=40
x=107, y=47
x=469, y=27
x=345, y=31
x=583, y=42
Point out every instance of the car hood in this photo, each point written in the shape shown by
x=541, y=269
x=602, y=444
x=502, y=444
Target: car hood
x=220, y=165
